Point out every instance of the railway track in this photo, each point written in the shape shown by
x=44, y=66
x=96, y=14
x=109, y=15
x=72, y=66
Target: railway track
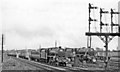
x=45, y=67
x=52, y=68
x=49, y=68
x=111, y=64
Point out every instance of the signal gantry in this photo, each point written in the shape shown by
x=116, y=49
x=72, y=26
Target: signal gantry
x=106, y=37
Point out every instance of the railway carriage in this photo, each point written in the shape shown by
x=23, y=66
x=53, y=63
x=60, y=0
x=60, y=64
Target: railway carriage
x=23, y=54
x=34, y=55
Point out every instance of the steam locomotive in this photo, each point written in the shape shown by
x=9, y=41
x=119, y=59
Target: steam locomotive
x=58, y=56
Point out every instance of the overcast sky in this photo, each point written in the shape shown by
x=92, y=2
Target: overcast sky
x=30, y=23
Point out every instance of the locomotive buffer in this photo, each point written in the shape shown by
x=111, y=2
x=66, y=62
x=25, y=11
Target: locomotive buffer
x=106, y=37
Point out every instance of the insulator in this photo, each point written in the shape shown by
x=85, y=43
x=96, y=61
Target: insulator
x=90, y=19
x=110, y=38
x=105, y=46
x=106, y=24
x=94, y=19
x=115, y=24
x=102, y=38
x=102, y=24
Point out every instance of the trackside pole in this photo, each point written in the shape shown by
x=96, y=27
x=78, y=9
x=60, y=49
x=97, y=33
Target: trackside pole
x=2, y=48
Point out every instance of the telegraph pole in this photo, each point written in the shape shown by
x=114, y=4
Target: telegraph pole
x=40, y=50
x=56, y=43
x=39, y=47
x=2, y=48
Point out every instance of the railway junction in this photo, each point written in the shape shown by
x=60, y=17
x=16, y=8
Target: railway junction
x=85, y=59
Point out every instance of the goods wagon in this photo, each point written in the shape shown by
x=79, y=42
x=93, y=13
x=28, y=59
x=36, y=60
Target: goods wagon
x=44, y=55
x=12, y=53
x=34, y=55
x=23, y=54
